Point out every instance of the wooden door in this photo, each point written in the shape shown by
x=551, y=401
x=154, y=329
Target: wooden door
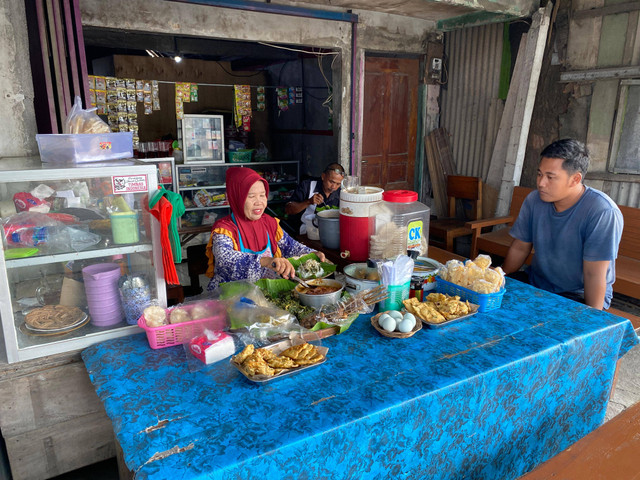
x=390, y=115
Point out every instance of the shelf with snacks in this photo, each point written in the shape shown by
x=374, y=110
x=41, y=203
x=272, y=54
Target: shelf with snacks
x=64, y=230
x=202, y=187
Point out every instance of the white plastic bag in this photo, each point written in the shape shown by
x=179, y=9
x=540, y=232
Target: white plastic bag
x=84, y=121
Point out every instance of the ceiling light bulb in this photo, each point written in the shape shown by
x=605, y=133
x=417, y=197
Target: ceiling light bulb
x=177, y=58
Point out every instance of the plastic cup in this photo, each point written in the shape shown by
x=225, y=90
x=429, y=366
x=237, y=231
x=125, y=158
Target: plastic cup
x=124, y=227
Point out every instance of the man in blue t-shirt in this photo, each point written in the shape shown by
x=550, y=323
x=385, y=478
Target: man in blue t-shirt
x=574, y=229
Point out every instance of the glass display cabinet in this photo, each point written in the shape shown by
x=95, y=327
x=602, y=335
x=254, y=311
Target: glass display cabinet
x=166, y=171
x=81, y=255
x=203, y=189
x=202, y=138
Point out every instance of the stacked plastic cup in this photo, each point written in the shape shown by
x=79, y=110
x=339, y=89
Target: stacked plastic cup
x=103, y=297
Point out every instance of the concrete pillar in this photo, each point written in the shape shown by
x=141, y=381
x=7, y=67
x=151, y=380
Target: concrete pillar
x=18, y=136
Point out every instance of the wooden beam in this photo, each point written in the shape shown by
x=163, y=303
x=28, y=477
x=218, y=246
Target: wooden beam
x=536, y=43
x=608, y=10
x=594, y=74
x=500, y=151
x=474, y=19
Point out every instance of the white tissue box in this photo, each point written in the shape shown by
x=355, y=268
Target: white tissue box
x=211, y=347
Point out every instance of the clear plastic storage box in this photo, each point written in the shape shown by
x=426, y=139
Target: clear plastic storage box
x=85, y=147
x=401, y=224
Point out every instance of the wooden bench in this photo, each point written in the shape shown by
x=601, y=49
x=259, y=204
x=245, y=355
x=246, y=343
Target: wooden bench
x=609, y=452
x=627, y=264
x=498, y=242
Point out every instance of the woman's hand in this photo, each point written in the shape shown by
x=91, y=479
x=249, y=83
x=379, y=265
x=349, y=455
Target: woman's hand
x=321, y=256
x=280, y=265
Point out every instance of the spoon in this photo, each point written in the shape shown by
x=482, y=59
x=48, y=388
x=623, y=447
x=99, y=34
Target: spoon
x=302, y=282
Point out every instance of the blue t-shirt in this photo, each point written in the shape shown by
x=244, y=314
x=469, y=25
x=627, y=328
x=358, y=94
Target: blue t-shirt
x=589, y=230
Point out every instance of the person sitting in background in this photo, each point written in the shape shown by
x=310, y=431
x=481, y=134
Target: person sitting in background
x=249, y=244
x=314, y=195
x=574, y=230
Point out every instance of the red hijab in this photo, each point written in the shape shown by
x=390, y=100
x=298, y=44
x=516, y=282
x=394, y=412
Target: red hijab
x=254, y=232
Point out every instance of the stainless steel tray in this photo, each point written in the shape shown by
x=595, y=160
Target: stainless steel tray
x=277, y=349
x=453, y=320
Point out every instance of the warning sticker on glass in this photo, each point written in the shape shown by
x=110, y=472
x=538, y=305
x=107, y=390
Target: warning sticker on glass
x=129, y=183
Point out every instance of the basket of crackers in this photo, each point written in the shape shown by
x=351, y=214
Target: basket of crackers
x=177, y=325
x=474, y=281
x=278, y=359
x=439, y=309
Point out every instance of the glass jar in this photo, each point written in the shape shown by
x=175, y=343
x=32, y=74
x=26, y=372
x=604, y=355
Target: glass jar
x=400, y=226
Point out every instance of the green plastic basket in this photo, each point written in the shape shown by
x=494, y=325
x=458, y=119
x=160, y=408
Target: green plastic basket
x=240, y=156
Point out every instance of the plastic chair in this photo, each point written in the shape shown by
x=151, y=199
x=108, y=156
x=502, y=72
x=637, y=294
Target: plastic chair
x=443, y=231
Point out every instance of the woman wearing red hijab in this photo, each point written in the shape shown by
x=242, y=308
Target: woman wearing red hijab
x=248, y=244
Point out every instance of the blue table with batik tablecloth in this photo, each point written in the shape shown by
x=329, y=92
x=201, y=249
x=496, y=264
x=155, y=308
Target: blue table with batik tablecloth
x=488, y=397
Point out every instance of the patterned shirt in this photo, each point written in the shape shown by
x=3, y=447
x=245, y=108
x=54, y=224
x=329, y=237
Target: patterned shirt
x=231, y=264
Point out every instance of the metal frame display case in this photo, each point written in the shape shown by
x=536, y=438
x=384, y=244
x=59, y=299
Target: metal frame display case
x=203, y=188
x=82, y=196
x=202, y=138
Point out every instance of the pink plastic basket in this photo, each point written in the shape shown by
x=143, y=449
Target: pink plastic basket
x=486, y=301
x=179, y=333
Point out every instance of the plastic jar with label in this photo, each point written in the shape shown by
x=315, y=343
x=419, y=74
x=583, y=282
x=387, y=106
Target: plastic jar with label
x=401, y=225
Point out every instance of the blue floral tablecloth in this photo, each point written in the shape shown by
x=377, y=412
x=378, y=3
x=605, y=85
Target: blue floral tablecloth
x=488, y=397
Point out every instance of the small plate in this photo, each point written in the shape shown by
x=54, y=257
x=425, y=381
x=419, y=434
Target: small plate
x=277, y=349
x=24, y=328
x=64, y=329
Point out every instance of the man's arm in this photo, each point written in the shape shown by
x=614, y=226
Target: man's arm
x=595, y=282
x=516, y=256
x=292, y=208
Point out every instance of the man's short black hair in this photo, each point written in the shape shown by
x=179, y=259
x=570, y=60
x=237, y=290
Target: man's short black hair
x=334, y=167
x=574, y=154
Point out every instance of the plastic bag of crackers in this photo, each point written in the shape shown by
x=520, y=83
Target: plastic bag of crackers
x=476, y=275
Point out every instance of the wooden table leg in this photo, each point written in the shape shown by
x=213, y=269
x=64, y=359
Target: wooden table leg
x=123, y=471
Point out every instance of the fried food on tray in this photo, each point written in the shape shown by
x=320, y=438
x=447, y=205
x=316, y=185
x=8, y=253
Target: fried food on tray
x=242, y=356
x=437, y=307
x=427, y=312
x=265, y=353
x=303, y=354
x=263, y=361
x=255, y=365
x=281, y=362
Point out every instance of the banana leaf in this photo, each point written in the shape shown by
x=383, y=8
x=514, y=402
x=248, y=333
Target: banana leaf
x=328, y=268
x=276, y=285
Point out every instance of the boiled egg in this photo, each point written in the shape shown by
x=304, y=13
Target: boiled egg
x=388, y=323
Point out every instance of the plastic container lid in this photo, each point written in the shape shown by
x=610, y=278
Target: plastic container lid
x=400, y=196
x=362, y=194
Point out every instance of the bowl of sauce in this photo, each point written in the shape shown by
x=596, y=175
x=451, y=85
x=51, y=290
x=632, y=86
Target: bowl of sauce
x=322, y=291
